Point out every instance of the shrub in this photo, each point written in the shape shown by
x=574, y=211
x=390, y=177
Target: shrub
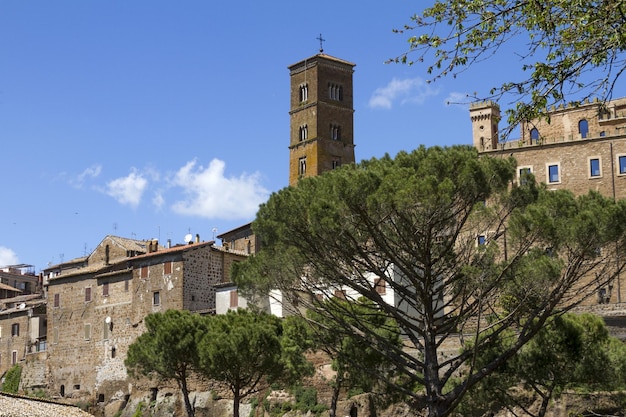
x=12, y=380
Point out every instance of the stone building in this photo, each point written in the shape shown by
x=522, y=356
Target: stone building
x=321, y=116
x=96, y=306
x=582, y=148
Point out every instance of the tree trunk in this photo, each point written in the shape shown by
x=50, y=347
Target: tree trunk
x=434, y=396
x=236, y=402
x=183, y=387
x=335, y=397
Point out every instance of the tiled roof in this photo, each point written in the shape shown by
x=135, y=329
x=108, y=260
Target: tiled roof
x=19, y=406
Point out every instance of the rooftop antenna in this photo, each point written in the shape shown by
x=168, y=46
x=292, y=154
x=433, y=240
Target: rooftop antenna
x=321, y=40
x=214, y=232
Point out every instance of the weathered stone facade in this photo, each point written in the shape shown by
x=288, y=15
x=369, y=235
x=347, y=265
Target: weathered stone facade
x=582, y=148
x=97, y=311
x=321, y=113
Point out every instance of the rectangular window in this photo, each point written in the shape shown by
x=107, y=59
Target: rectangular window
x=522, y=174
x=144, y=272
x=481, y=240
x=380, y=286
x=105, y=289
x=15, y=329
x=622, y=164
x=167, y=267
x=14, y=357
x=87, y=331
x=126, y=285
x=594, y=167
x=57, y=300
x=553, y=174
x=87, y=294
x=234, y=299
x=156, y=298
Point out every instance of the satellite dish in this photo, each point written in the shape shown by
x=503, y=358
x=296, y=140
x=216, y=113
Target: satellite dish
x=188, y=238
x=107, y=320
x=21, y=306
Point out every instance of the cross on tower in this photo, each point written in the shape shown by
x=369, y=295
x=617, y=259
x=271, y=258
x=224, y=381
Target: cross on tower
x=321, y=40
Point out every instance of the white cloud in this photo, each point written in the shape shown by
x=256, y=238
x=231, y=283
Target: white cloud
x=458, y=99
x=158, y=200
x=7, y=257
x=128, y=190
x=210, y=194
x=90, y=172
x=408, y=90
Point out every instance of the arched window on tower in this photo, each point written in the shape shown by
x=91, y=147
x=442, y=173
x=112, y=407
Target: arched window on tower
x=302, y=166
x=583, y=128
x=534, y=135
x=335, y=132
x=304, y=92
x=304, y=133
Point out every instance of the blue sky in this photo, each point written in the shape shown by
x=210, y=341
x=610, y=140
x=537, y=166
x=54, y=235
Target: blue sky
x=154, y=119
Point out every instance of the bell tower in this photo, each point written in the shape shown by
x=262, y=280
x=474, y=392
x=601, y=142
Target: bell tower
x=321, y=116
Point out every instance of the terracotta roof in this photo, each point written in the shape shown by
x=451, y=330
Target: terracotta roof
x=8, y=288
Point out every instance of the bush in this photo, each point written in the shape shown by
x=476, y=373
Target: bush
x=12, y=380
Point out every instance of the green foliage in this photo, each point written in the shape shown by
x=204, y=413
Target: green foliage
x=140, y=409
x=412, y=223
x=12, y=380
x=571, y=352
x=570, y=51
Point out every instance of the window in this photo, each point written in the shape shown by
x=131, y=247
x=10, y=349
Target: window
x=622, y=164
x=602, y=134
x=57, y=300
x=583, y=128
x=594, y=167
x=304, y=92
x=234, y=299
x=335, y=92
x=302, y=166
x=336, y=163
x=87, y=329
x=534, y=135
x=105, y=289
x=335, y=132
x=144, y=272
x=14, y=357
x=167, y=267
x=380, y=286
x=304, y=132
x=553, y=174
x=15, y=329
x=156, y=298
x=87, y=294
x=523, y=173
x=481, y=240
x=126, y=285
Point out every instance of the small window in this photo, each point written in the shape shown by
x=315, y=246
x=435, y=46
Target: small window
x=594, y=167
x=156, y=298
x=14, y=357
x=481, y=240
x=126, y=285
x=234, y=299
x=380, y=286
x=144, y=272
x=87, y=294
x=304, y=92
x=534, y=135
x=335, y=132
x=523, y=173
x=583, y=128
x=15, y=329
x=57, y=300
x=304, y=132
x=553, y=174
x=336, y=163
x=602, y=134
x=622, y=164
x=167, y=267
x=302, y=166
x=105, y=289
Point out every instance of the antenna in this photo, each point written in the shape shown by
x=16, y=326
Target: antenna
x=214, y=232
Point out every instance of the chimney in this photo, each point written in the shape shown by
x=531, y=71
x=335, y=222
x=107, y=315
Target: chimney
x=169, y=243
x=197, y=238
